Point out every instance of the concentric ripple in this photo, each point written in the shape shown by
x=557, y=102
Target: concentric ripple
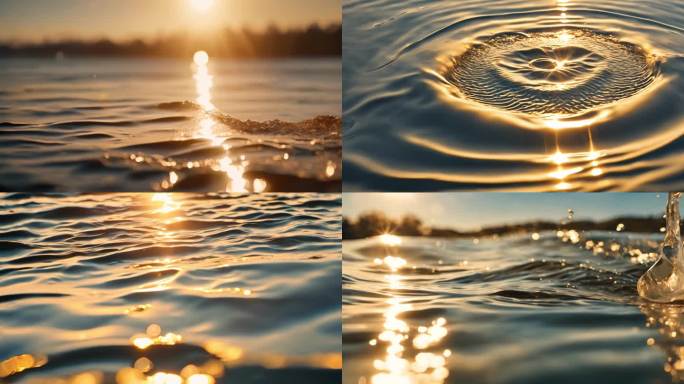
x=550, y=72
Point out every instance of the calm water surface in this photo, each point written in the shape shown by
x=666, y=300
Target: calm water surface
x=531, y=308
x=513, y=95
x=194, y=125
x=232, y=288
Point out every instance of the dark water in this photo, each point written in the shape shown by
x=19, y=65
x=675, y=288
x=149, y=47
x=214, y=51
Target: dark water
x=531, y=308
x=170, y=125
x=245, y=288
x=513, y=95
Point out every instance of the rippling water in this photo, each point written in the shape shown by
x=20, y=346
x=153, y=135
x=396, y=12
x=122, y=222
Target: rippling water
x=531, y=308
x=227, y=288
x=189, y=125
x=515, y=95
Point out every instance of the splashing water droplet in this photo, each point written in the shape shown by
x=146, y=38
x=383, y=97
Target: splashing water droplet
x=664, y=281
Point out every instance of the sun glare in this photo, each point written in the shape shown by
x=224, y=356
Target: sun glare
x=390, y=240
x=202, y=5
x=201, y=58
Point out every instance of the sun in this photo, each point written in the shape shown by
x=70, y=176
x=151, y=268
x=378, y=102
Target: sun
x=202, y=5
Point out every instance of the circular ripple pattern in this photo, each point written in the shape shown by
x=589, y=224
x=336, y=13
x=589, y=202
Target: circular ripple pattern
x=568, y=71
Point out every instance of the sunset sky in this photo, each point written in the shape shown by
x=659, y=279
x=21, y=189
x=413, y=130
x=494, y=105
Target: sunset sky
x=37, y=19
x=474, y=210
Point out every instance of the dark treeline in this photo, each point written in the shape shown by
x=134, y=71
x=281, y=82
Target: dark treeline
x=376, y=223
x=311, y=41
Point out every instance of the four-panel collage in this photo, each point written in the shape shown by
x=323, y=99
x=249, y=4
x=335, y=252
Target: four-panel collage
x=341, y=191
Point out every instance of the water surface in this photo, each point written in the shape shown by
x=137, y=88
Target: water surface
x=557, y=307
x=513, y=95
x=233, y=288
x=201, y=124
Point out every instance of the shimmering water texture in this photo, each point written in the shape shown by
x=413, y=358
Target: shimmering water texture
x=557, y=307
x=170, y=125
x=170, y=288
x=513, y=95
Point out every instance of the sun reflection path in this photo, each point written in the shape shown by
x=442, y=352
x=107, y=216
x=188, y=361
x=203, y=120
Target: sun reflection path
x=153, y=336
x=426, y=367
x=589, y=162
x=20, y=363
x=166, y=202
x=668, y=320
x=202, y=5
x=207, y=130
x=141, y=373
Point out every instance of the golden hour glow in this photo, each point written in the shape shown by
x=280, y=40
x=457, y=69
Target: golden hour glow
x=201, y=58
x=202, y=5
x=203, y=81
x=168, y=328
x=166, y=202
x=153, y=336
x=426, y=366
x=208, y=126
x=559, y=157
x=390, y=240
x=20, y=363
x=227, y=353
x=669, y=322
x=565, y=38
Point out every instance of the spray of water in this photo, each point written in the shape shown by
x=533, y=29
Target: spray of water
x=664, y=281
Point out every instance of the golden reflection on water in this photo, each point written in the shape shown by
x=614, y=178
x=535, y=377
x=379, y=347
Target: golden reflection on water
x=20, y=363
x=153, y=336
x=166, y=203
x=159, y=209
x=390, y=240
x=565, y=167
x=207, y=130
x=190, y=374
x=425, y=367
x=668, y=320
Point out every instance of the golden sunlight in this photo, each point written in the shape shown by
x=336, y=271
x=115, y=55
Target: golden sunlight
x=201, y=58
x=201, y=5
x=207, y=124
x=203, y=80
x=390, y=240
x=166, y=202
x=426, y=366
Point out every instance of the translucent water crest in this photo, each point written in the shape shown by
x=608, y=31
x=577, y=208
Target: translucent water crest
x=664, y=281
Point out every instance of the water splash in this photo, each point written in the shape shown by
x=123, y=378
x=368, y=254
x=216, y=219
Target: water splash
x=664, y=281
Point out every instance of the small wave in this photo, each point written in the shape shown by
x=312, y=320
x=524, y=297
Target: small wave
x=13, y=246
x=206, y=267
x=25, y=296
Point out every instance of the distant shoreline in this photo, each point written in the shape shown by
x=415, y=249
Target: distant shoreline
x=309, y=42
x=373, y=224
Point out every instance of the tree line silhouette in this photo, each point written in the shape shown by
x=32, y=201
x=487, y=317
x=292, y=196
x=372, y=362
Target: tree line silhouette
x=272, y=42
x=375, y=223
